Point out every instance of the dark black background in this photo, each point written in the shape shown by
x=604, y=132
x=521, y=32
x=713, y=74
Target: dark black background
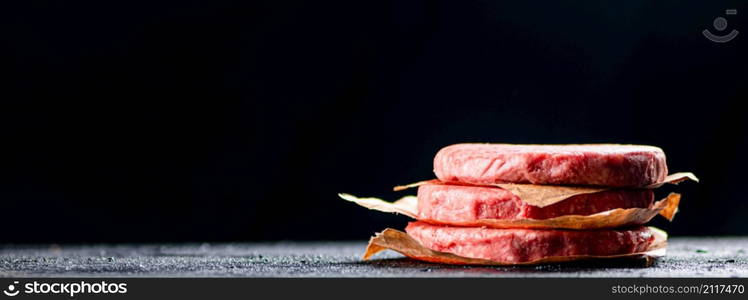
x=229, y=121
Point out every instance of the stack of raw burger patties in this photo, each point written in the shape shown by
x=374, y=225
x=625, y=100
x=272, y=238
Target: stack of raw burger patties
x=466, y=191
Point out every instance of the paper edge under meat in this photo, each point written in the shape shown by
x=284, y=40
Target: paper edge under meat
x=545, y=195
x=619, y=217
x=404, y=244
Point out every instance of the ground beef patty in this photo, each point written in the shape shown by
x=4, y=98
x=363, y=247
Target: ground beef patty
x=595, y=164
x=523, y=245
x=447, y=203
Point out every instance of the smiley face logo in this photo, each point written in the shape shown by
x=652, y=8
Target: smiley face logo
x=720, y=24
x=11, y=290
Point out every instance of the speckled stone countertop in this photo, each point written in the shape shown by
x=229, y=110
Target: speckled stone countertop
x=687, y=257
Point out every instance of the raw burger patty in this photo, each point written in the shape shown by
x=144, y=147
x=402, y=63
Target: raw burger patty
x=460, y=203
x=594, y=164
x=524, y=245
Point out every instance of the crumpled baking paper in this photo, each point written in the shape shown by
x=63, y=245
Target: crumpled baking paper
x=544, y=195
x=404, y=244
x=618, y=217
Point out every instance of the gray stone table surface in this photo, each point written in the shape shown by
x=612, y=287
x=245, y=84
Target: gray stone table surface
x=687, y=257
